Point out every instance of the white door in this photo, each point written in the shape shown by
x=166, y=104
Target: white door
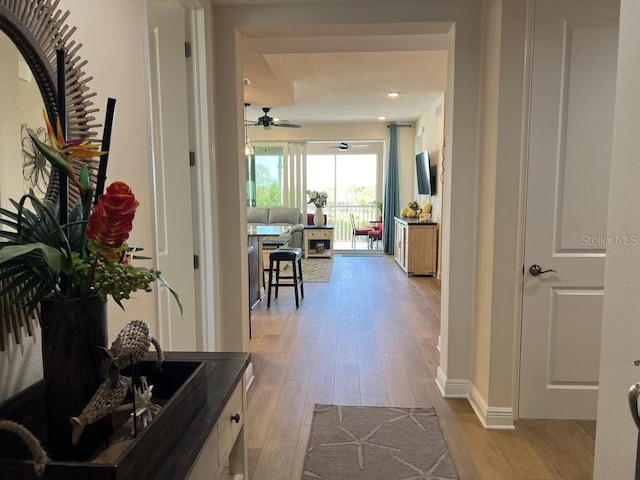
x=172, y=189
x=571, y=117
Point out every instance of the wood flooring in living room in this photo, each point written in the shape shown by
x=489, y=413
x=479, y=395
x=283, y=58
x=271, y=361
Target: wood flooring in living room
x=369, y=337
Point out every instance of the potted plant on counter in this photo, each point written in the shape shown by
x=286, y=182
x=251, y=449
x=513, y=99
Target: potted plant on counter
x=68, y=270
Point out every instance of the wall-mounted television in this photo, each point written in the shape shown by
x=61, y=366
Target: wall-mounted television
x=434, y=178
x=423, y=173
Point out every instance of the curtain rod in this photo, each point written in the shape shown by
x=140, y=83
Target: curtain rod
x=400, y=125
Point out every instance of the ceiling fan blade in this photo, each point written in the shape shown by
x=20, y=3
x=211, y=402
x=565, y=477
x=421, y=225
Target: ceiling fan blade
x=343, y=146
x=288, y=125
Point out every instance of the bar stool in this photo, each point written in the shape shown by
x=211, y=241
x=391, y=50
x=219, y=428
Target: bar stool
x=293, y=255
x=270, y=244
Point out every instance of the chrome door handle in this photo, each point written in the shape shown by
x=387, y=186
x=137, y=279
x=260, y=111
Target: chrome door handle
x=536, y=270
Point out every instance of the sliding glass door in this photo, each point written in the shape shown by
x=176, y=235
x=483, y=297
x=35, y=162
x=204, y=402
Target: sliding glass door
x=352, y=182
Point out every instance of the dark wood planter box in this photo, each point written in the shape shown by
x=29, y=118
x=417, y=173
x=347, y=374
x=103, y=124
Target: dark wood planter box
x=186, y=386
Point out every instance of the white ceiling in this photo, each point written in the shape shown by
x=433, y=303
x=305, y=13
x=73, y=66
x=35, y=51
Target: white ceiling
x=341, y=73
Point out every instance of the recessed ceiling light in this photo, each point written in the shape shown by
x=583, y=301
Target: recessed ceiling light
x=392, y=94
x=382, y=118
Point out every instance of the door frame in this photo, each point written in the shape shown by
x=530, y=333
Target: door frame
x=202, y=211
x=201, y=200
x=524, y=177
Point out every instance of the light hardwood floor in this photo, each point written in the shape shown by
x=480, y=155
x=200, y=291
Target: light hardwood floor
x=368, y=337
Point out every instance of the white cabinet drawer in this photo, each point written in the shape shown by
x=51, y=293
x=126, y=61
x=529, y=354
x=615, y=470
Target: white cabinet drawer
x=228, y=427
x=208, y=460
x=315, y=234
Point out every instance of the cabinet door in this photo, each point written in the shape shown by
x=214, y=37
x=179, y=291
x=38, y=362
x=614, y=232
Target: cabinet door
x=398, y=243
x=422, y=249
x=400, y=247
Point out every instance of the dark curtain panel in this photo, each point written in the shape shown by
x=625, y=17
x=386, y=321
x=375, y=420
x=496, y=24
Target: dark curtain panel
x=391, y=194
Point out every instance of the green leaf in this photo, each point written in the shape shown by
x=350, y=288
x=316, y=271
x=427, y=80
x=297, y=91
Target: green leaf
x=175, y=295
x=53, y=257
x=17, y=281
x=43, y=230
x=13, y=236
x=54, y=156
x=26, y=289
x=9, y=223
x=84, y=175
x=8, y=213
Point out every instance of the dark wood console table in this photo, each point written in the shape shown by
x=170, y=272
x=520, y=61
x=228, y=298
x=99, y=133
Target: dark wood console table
x=198, y=434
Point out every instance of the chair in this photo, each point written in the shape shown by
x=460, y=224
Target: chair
x=293, y=255
x=358, y=231
x=270, y=244
x=375, y=235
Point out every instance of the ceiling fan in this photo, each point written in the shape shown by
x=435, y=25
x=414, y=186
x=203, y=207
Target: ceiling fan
x=346, y=146
x=267, y=122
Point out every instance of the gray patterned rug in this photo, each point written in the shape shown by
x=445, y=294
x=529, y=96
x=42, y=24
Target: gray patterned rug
x=314, y=270
x=376, y=443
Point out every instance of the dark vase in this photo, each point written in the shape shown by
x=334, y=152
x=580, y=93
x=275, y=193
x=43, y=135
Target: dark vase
x=72, y=332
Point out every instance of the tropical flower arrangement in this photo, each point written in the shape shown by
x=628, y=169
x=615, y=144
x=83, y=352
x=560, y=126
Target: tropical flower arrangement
x=319, y=199
x=87, y=254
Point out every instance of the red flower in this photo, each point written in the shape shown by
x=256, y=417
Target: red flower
x=111, y=220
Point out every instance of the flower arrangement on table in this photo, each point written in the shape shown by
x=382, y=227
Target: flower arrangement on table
x=319, y=199
x=86, y=255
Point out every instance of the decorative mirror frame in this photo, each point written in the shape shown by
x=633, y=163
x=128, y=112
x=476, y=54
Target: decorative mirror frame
x=38, y=28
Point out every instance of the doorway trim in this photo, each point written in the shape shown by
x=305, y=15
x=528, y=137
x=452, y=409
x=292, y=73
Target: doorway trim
x=202, y=215
x=524, y=171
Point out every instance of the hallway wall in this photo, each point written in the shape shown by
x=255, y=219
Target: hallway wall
x=616, y=435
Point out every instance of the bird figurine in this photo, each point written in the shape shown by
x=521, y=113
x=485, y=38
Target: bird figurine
x=106, y=399
x=130, y=347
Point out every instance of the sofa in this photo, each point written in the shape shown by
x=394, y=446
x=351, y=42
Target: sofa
x=280, y=216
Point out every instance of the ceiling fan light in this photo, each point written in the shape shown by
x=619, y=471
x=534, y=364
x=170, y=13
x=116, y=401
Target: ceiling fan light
x=393, y=94
x=248, y=148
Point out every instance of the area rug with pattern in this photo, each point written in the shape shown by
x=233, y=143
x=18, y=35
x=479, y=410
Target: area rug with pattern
x=316, y=270
x=376, y=443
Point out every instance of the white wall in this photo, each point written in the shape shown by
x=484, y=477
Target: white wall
x=20, y=365
x=17, y=106
x=430, y=133
x=616, y=435
x=495, y=355
x=489, y=95
x=112, y=37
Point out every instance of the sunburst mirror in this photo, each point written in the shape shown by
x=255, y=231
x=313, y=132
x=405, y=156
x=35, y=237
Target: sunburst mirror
x=37, y=29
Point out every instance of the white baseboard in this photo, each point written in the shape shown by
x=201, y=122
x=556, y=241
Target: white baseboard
x=452, y=388
x=492, y=418
x=248, y=377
